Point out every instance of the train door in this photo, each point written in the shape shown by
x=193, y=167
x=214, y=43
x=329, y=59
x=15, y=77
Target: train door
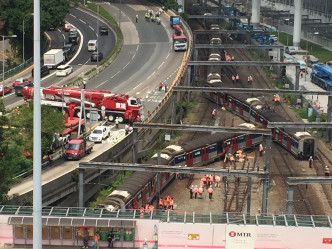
x=309, y=147
x=248, y=140
x=197, y=156
x=235, y=144
x=279, y=135
x=233, y=104
x=225, y=146
x=289, y=139
x=241, y=108
x=205, y=153
x=150, y=188
x=134, y=202
x=144, y=194
x=189, y=158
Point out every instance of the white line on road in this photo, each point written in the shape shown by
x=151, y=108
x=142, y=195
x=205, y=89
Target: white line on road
x=91, y=28
x=126, y=65
x=102, y=83
x=82, y=21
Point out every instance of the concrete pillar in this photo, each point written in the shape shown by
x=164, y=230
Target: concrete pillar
x=297, y=23
x=81, y=187
x=256, y=9
x=289, y=204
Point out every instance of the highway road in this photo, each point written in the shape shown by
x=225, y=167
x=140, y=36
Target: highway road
x=146, y=59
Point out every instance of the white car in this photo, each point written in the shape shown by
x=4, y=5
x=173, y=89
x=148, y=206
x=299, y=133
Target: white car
x=63, y=70
x=275, y=39
x=99, y=133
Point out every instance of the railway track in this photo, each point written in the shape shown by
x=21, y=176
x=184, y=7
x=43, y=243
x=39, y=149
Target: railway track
x=283, y=160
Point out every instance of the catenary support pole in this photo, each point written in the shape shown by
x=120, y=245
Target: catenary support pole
x=174, y=98
x=135, y=134
x=256, y=8
x=188, y=82
x=81, y=187
x=158, y=181
x=264, y=199
x=328, y=119
x=268, y=147
x=37, y=156
x=195, y=66
x=249, y=196
x=289, y=203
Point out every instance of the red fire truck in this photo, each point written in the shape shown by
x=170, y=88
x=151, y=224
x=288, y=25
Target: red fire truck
x=107, y=104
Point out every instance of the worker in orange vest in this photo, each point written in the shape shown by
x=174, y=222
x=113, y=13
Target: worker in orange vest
x=250, y=79
x=217, y=179
x=161, y=203
x=141, y=211
x=204, y=180
x=171, y=204
x=200, y=192
x=233, y=79
x=147, y=208
x=165, y=203
x=237, y=77
x=195, y=191
x=201, y=183
x=261, y=149
x=160, y=86
x=151, y=208
x=210, y=191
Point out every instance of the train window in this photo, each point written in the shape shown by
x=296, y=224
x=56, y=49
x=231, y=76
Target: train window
x=295, y=143
x=212, y=148
x=285, y=137
x=228, y=142
x=277, y=131
x=197, y=153
x=241, y=138
x=246, y=108
x=237, y=103
x=139, y=195
x=179, y=159
x=253, y=114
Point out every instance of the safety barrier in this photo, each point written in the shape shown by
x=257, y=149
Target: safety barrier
x=174, y=216
x=17, y=69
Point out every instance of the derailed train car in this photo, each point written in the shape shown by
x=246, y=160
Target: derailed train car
x=301, y=144
x=142, y=187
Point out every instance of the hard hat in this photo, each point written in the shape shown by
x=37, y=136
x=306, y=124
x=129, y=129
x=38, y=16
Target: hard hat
x=310, y=156
x=325, y=166
x=196, y=185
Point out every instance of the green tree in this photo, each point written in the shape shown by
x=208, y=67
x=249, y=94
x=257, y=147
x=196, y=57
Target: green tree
x=14, y=12
x=52, y=121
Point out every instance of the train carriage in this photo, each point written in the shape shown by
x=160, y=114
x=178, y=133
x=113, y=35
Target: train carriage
x=259, y=112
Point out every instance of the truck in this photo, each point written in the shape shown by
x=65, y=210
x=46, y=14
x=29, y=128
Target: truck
x=321, y=75
x=179, y=39
x=100, y=133
x=75, y=149
x=53, y=58
x=174, y=20
x=102, y=102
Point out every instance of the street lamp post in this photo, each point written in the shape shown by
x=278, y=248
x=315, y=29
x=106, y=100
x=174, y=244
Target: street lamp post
x=30, y=14
x=287, y=29
x=3, y=64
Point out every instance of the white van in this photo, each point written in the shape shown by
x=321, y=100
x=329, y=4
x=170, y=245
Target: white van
x=303, y=65
x=92, y=45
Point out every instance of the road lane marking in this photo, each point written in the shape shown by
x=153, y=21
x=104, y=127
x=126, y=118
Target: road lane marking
x=82, y=21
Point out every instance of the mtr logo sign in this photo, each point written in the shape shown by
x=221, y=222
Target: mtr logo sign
x=239, y=235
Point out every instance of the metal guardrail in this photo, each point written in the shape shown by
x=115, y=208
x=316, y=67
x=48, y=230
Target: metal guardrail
x=174, y=216
x=17, y=69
